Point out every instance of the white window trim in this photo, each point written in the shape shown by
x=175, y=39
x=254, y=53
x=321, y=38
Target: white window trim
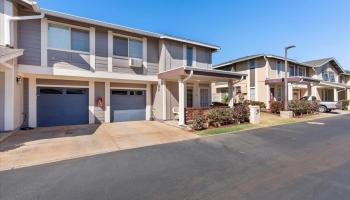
x=69, y=26
x=126, y=37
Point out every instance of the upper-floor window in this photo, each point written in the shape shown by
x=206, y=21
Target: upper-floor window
x=189, y=56
x=252, y=64
x=301, y=71
x=127, y=47
x=328, y=76
x=279, y=67
x=68, y=38
x=291, y=70
x=331, y=76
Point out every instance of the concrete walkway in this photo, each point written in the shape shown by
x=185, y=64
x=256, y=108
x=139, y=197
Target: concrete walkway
x=43, y=145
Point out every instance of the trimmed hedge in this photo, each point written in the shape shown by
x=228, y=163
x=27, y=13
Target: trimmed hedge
x=303, y=107
x=221, y=116
x=255, y=103
x=276, y=106
x=344, y=104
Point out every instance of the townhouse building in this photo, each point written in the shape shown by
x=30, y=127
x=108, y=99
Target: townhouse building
x=61, y=69
x=325, y=79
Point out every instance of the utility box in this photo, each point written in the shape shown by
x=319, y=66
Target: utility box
x=254, y=114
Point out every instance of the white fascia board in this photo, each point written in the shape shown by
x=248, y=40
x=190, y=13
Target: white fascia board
x=55, y=71
x=190, y=42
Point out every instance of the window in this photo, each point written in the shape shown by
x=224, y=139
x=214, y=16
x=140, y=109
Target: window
x=252, y=94
x=189, y=56
x=301, y=71
x=64, y=37
x=135, y=48
x=189, y=97
x=120, y=92
x=331, y=76
x=75, y=91
x=279, y=68
x=291, y=70
x=51, y=91
x=123, y=46
x=325, y=75
x=252, y=64
x=58, y=37
x=238, y=89
x=79, y=40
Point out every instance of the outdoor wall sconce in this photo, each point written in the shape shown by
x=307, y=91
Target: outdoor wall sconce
x=19, y=80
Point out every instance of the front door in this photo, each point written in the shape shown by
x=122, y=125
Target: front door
x=204, y=97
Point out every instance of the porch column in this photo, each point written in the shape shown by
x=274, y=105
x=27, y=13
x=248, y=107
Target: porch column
x=107, y=102
x=148, y=102
x=181, y=102
x=335, y=96
x=9, y=108
x=91, y=102
x=230, y=93
x=268, y=96
x=196, y=99
x=309, y=90
x=290, y=91
x=347, y=94
x=32, y=97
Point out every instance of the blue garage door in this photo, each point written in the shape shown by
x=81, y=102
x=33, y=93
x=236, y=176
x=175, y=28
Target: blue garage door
x=128, y=105
x=62, y=106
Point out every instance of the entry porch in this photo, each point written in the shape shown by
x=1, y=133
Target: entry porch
x=187, y=87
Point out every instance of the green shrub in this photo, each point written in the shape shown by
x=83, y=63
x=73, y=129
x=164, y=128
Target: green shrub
x=255, y=103
x=303, y=107
x=219, y=116
x=344, y=104
x=276, y=106
x=198, y=122
x=225, y=99
x=241, y=112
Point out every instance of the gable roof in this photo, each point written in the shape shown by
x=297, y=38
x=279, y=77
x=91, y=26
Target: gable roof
x=128, y=29
x=7, y=53
x=245, y=58
x=321, y=62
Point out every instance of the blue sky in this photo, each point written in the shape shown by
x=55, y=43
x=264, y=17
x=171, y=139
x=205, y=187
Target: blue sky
x=319, y=28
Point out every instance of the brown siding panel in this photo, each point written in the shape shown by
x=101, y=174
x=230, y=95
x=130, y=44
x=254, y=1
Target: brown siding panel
x=70, y=60
x=101, y=50
x=29, y=32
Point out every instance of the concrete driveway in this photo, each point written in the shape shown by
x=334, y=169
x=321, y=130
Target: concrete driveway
x=44, y=145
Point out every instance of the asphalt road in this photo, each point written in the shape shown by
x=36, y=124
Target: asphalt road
x=298, y=161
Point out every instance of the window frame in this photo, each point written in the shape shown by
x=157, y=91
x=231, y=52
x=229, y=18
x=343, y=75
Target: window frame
x=186, y=60
x=304, y=71
x=290, y=66
x=128, y=38
x=279, y=71
x=69, y=26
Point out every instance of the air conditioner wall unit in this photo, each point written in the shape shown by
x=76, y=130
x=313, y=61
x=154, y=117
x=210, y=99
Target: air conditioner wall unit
x=134, y=62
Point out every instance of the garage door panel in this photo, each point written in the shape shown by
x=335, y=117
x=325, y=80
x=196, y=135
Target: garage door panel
x=128, y=105
x=60, y=108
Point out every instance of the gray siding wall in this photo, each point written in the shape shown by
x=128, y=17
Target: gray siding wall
x=157, y=102
x=203, y=58
x=121, y=65
x=101, y=50
x=29, y=32
x=99, y=92
x=2, y=100
x=25, y=100
x=68, y=60
x=172, y=98
x=173, y=55
x=152, y=57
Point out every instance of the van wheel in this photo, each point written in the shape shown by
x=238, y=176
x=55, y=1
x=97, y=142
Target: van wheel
x=322, y=109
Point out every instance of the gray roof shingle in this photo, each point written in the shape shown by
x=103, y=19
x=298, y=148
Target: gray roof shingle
x=318, y=62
